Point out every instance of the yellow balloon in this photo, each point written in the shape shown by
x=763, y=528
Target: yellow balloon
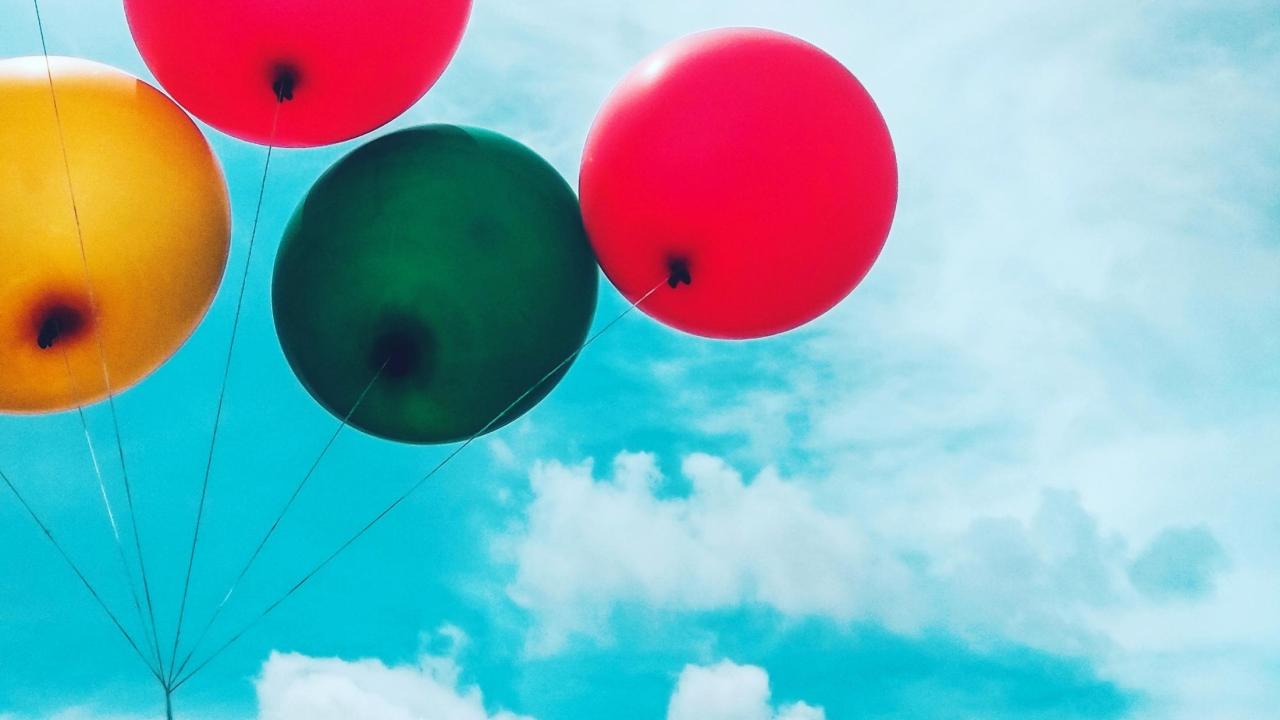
x=153, y=222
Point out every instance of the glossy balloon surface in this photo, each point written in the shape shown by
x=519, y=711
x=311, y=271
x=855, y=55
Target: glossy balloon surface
x=152, y=207
x=451, y=259
x=751, y=159
x=353, y=65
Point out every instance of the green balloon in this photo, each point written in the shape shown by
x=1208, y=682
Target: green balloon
x=448, y=263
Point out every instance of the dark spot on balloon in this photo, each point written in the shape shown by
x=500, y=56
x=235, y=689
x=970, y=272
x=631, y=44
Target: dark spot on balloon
x=678, y=272
x=57, y=321
x=402, y=350
x=48, y=333
x=284, y=78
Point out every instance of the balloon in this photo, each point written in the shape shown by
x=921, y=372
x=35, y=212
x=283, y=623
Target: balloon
x=748, y=163
x=454, y=260
x=152, y=207
x=345, y=67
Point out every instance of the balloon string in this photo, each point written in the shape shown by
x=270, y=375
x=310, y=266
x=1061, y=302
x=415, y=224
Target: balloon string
x=416, y=486
x=222, y=392
x=44, y=528
x=94, y=316
x=106, y=502
x=275, y=525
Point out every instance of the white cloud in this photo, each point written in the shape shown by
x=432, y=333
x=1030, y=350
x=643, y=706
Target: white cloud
x=1050, y=576
x=727, y=691
x=591, y=547
x=296, y=687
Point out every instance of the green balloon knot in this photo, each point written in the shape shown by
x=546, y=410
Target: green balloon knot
x=400, y=352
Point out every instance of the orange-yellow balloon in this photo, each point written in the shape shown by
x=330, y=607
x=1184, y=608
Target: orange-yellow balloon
x=153, y=215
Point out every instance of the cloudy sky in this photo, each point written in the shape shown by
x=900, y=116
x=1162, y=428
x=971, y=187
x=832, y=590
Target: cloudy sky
x=1031, y=468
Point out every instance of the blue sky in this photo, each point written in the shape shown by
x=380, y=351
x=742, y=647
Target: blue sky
x=1029, y=469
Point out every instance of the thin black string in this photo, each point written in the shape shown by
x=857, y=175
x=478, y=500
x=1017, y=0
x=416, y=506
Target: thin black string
x=102, y=356
x=222, y=392
x=416, y=486
x=44, y=528
x=346, y=421
x=106, y=500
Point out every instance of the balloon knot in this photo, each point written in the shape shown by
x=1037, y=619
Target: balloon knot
x=679, y=273
x=50, y=329
x=284, y=83
x=56, y=323
x=399, y=353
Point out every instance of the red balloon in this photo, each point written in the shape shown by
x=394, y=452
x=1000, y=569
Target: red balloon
x=350, y=66
x=751, y=160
